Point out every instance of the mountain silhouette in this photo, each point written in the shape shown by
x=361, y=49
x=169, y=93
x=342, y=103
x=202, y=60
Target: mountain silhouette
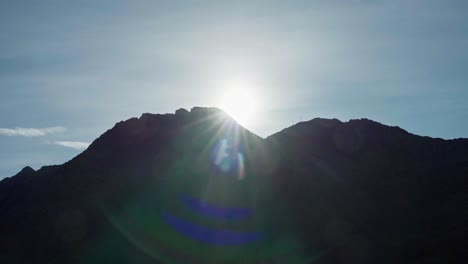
x=196, y=187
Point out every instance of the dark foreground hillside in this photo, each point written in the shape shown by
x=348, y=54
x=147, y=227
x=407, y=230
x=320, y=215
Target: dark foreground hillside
x=195, y=187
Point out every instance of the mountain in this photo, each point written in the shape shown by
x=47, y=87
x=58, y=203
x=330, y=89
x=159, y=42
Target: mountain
x=196, y=187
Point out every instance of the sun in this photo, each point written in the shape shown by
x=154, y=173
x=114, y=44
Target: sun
x=239, y=104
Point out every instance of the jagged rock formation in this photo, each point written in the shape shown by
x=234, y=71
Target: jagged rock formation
x=322, y=191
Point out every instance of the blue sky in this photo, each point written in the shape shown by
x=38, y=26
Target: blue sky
x=69, y=70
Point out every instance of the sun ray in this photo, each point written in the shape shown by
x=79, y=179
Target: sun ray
x=240, y=104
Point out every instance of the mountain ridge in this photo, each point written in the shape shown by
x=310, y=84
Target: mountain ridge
x=358, y=190
x=331, y=121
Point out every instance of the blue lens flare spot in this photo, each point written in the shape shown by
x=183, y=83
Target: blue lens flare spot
x=227, y=158
x=208, y=235
x=215, y=211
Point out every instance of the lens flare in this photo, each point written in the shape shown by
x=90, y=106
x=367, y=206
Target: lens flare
x=212, y=205
x=209, y=235
x=215, y=211
x=227, y=158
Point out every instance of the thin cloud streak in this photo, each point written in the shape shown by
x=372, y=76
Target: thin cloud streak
x=73, y=144
x=30, y=132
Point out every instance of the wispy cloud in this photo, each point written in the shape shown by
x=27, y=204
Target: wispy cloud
x=72, y=144
x=30, y=132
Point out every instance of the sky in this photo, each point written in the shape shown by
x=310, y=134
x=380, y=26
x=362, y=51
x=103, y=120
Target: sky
x=69, y=70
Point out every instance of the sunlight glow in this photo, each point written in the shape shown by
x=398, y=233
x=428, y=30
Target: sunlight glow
x=240, y=104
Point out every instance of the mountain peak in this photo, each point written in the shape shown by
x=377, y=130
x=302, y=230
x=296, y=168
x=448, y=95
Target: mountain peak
x=25, y=171
x=150, y=133
x=323, y=122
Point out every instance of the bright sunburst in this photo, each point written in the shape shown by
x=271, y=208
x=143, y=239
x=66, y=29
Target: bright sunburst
x=240, y=104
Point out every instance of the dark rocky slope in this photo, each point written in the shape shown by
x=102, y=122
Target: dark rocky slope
x=374, y=193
